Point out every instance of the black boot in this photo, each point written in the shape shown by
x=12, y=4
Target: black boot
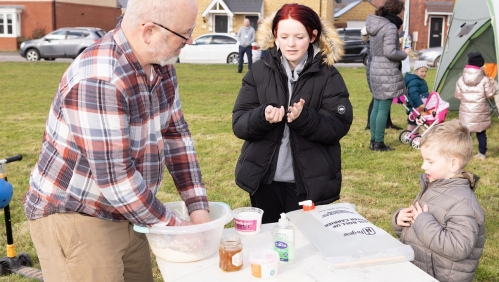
x=368, y=127
x=371, y=144
x=381, y=147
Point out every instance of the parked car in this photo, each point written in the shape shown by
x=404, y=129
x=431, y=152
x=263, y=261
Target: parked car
x=355, y=48
x=218, y=48
x=431, y=56
x=67, y=42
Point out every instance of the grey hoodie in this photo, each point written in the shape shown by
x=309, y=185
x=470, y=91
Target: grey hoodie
x=385, y=77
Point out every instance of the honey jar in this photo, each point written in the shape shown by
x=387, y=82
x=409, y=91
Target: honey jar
x=231, y=253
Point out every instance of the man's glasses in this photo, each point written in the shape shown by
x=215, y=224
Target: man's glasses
x=177, y=34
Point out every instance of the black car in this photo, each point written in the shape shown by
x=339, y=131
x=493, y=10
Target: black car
x=355, y=48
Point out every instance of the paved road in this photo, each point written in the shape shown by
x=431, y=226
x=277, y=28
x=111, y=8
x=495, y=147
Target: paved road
x=15, y=57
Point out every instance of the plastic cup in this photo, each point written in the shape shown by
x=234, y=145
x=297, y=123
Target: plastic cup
x=247, y=220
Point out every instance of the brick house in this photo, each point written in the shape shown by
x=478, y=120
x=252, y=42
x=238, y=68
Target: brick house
x=429, y=21
x=228, y=15
x=353, y=14
x=35, y=18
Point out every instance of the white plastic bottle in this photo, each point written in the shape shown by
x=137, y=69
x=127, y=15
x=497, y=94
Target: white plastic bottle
x=284, y=240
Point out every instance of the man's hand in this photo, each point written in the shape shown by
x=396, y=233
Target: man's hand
x=405, y=216
x=200, y=216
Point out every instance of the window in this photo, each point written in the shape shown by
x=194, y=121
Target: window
x=10, y=21
x=218, y=39
x=203, y=40
x=56, y=35
x=354, y=35
x=74, y=34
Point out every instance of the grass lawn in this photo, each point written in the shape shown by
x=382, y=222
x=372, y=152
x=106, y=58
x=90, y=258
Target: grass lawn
x=377, y=183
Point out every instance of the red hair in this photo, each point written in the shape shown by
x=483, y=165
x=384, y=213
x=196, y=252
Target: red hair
x=306, y=16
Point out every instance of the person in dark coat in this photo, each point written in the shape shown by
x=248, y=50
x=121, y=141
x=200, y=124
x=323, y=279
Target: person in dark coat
x=385, y=76
x=389, y=123
x=292, y=110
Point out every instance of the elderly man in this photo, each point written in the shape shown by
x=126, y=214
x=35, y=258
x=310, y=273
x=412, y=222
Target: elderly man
x=246, y=36
x=113, y=126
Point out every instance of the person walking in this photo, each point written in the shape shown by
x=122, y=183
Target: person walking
x=245, y=36
x=114, y=124
x=292, y=110
x=385, y=74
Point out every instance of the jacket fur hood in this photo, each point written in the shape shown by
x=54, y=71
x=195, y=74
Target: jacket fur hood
x=329, y=43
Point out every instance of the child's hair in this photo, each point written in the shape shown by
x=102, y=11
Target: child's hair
x=450, y=139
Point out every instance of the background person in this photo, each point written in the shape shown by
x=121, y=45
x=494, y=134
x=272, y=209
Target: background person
x=113, y=126
x=445, y=225
x=385, y=69
x=473, y=89
x=292, y=110
x=245, y=36
x=389, y=123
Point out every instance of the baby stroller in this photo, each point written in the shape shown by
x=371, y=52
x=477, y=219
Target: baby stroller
x=435, y=111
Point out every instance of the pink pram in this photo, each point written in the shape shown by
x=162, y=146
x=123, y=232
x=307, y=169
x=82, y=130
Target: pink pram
x=435, y=112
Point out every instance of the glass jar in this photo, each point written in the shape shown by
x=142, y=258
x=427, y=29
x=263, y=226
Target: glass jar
x=231, y=253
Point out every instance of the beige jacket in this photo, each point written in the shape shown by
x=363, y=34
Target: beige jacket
x=473, y=89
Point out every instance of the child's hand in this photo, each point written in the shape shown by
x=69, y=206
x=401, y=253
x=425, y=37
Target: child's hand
x=418, y=210
x=405, y=216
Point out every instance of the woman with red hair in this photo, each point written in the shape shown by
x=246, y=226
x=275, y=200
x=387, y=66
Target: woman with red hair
x=292, y=110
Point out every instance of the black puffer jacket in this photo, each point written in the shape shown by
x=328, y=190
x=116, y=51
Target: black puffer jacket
x=314, y=135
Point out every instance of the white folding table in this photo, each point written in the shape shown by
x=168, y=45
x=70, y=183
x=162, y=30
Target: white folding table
x=308, y=266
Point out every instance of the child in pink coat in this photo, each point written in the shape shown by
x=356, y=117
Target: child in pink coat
x=473, y=89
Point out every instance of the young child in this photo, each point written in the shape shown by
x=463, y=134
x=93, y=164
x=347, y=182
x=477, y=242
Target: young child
x=473, y=88
x=417, y=89
x=445, y=225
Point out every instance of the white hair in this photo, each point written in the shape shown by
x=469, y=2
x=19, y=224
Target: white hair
x=141, y=11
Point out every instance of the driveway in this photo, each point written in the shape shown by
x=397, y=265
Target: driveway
x=15, y=57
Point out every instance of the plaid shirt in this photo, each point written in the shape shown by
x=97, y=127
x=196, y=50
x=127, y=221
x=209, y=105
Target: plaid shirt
x=109, y=134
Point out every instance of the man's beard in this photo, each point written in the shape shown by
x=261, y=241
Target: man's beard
x=155, y=51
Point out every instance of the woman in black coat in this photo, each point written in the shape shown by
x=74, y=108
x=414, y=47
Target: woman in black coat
x=292, y=110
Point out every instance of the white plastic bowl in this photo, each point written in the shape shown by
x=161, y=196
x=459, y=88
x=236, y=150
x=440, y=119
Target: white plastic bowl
x=188, y=243
x=247, y=220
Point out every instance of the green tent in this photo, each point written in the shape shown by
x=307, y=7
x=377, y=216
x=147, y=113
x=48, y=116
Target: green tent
x=474, y=28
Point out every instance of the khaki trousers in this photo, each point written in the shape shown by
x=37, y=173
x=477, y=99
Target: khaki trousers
x=75, y=247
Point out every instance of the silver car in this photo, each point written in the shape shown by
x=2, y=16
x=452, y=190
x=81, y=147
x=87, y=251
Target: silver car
x=431, y=56
x=67, y=42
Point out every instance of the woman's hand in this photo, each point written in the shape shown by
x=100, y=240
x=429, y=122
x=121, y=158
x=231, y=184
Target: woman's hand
x=408, y=50
x=273, y=114
x=295, y=110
